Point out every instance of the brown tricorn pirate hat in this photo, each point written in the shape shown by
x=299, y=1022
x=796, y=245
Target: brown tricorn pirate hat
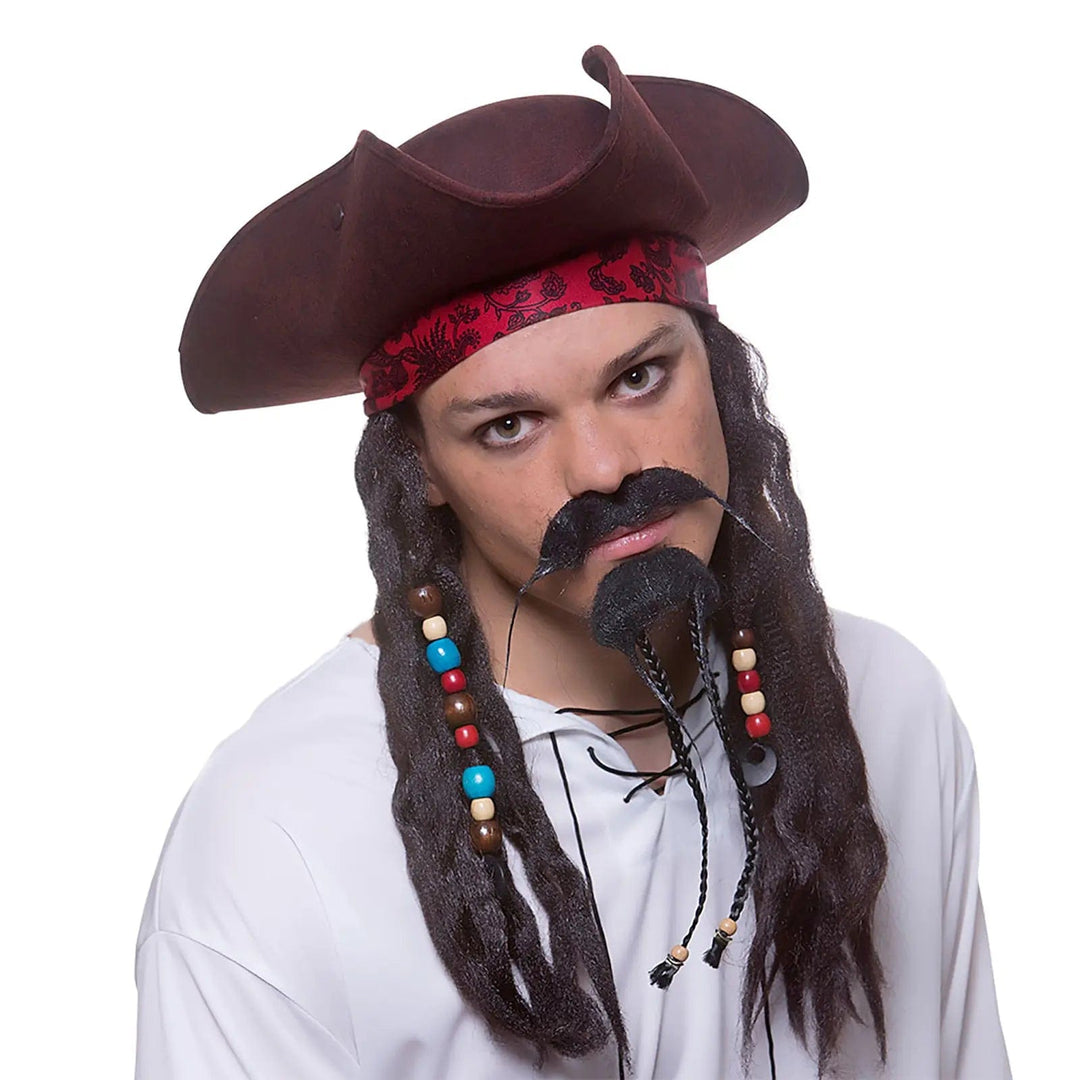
x=316, y=281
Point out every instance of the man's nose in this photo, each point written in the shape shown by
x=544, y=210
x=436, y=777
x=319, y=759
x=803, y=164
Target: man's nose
x=597, y=453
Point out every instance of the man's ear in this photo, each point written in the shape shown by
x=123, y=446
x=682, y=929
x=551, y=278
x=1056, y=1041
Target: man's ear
x=413, y=428
x=435, y=496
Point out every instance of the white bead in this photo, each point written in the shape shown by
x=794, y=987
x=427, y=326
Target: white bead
x=482, y=809
x=434, y=628
x=753, y=703
x=743, y=659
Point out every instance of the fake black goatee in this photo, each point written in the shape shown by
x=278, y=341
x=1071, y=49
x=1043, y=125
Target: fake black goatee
x=584, y=521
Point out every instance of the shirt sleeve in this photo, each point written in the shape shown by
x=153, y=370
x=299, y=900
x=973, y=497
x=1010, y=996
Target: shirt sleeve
x=201, y=1014
x=972, y=1045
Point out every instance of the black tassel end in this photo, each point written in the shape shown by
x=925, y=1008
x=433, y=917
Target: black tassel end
x=663, y=973
x=716, y=949
x=500, y=876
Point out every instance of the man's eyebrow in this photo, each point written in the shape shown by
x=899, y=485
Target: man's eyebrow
x=519, y=400
x=661, y=335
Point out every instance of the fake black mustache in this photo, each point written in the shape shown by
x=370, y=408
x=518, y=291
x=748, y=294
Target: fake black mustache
x=584, y=521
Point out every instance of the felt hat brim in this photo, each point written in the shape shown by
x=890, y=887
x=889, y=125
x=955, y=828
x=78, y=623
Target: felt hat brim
x=307, y=288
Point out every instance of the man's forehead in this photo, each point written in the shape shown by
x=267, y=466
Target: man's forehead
x=598, y=342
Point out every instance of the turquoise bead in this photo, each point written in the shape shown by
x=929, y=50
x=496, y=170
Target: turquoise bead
x=478, y=782
x=443, y=655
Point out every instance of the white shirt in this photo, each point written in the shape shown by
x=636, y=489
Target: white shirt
x=282, y=938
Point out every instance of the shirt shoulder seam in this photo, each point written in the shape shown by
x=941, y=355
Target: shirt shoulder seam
x=255, y=975
x=326, y=915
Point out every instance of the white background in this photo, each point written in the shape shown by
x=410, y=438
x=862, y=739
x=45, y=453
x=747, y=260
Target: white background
x=165, y=571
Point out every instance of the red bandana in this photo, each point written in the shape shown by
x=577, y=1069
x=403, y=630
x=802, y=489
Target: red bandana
x=665, y=269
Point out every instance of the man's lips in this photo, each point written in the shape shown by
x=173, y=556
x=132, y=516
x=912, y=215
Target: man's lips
x=651, y=532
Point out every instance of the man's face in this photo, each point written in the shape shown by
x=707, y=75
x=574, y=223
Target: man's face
x=572, y=404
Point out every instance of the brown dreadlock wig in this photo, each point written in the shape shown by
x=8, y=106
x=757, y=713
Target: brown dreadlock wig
x=822, y=856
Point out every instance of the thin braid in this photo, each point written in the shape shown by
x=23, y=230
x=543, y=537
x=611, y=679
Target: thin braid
x=661, y=687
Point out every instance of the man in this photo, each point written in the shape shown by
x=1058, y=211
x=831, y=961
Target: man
x=601, y=700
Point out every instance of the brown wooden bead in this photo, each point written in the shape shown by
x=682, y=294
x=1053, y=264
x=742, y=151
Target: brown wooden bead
x=680, y=953
x=425, y=601
x=459, y=708
x=742, y=639
x=728, y=926
x=486, y=836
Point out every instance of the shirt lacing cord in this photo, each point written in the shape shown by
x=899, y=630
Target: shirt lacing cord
x=658, y=718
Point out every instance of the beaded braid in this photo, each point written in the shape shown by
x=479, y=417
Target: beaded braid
x=459, y=710
x=484, y=931
x=726, y=930
x=657, y=679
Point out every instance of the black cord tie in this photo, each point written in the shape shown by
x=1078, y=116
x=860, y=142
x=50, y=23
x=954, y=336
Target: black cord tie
x=649, y=777
x=769, y=1038
x=658, y=713
x=646, y=777
x=587, y=875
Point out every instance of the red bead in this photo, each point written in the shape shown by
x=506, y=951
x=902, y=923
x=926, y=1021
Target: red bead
x=749, y=681
x=453, y=680
x=466, y=736
x=758, y=725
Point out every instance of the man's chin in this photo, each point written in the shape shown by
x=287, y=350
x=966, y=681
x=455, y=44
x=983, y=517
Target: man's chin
x=573, y=592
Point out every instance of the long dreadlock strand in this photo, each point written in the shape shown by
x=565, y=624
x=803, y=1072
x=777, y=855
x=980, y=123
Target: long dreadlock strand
x=822, y=856
x=490, y=945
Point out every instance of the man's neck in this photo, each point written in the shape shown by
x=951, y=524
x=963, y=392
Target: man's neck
x=554, y=657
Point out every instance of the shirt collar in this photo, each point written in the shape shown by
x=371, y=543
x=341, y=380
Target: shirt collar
x=536, y=718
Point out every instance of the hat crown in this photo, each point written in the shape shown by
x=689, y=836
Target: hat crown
x=499, y=149
x=528, y=149
x=551, y=135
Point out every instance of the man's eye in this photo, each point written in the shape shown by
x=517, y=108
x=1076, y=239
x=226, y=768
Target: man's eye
x=643, y=378
x=506, y=431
